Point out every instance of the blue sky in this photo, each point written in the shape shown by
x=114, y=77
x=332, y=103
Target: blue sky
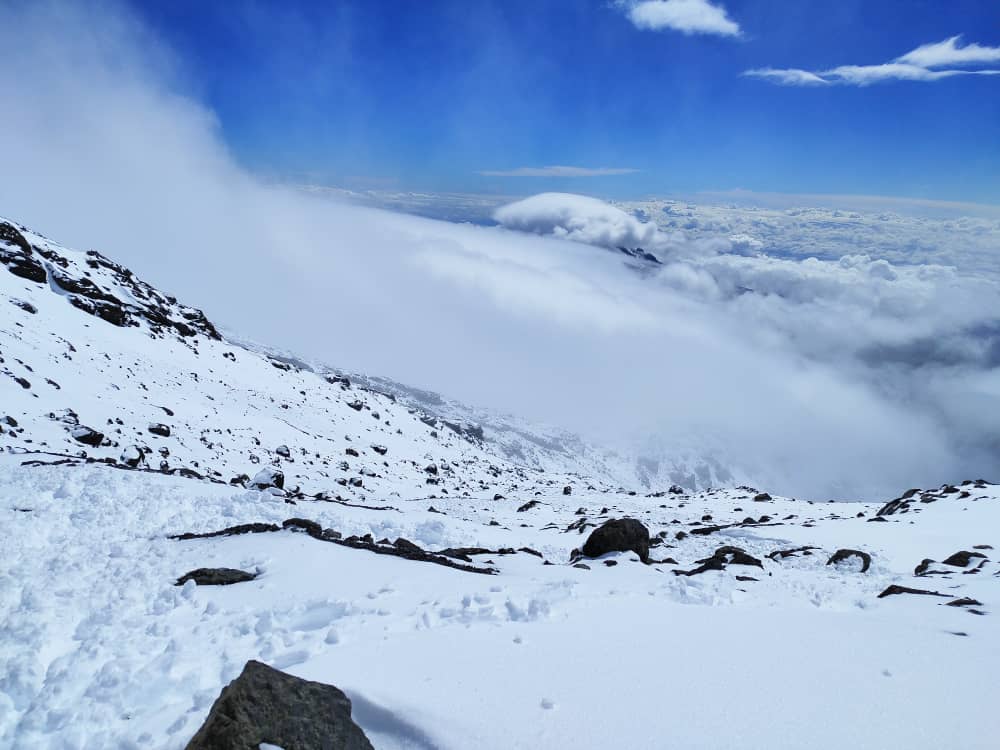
x=427, y=95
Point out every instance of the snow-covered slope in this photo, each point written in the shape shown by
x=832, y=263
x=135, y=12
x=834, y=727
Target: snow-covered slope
x=422, y=570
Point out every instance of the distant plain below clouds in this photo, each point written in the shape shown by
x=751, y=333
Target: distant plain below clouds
x=929, y=62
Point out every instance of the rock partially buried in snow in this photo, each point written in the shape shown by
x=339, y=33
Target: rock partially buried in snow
x=160, y=429
x=841, y=556
x=264, y=705
x=267, y=478
x=618, y=535
x=216, y=577
x=87, y=436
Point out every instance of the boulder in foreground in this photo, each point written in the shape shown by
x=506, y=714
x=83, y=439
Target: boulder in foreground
x=618, y=535
x=264, y=705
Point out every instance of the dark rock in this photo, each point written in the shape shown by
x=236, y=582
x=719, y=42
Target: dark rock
x=267, y=478
x=527, y=506
x=783, y=553
x=264, y=705
x=567, y=490
x=87, y=436
x=962, y=559
x=159, y=429
x=965, y=601
x=894, y=590
x=215, y=577
x=310, y=527
x=844, y=554
x=618, y=535
x=407, y=546
x=351, y=452
x=722, y=557
x=380, y=449
x=582, y=566
x=283, y=451
x=762, y=497
x=245, y=528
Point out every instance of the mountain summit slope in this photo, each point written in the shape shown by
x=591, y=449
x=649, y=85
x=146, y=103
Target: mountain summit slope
x=369, y=544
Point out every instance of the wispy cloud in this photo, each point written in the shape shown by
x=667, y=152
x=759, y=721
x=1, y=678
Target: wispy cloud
x=921, y=64
x=949, y=52
x=557, y=171
x=686, y=16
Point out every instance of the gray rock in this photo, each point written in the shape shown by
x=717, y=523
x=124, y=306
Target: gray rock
x=265, y=705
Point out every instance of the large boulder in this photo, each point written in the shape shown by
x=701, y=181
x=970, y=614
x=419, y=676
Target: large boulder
x=264, y=705
x=618, y=535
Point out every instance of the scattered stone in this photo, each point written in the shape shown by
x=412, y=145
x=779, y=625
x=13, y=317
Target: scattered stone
x=962, y=559
x=264, y=705
x=132, y=457
x=762, y=497
x=841, y=555
x=215, y=577
x=159, y=429
x=87, y=436
x=267, y=478
x=722, y=557
x=783, y=553
x=527, y=506
x=283, y=451
x=567, y=490
x=893, y=590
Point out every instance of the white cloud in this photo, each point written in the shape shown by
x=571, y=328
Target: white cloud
x=917, y=65
x=686, y=16
x=949, y=52
x=787, y=76
x=813, y=376
x=558, y=171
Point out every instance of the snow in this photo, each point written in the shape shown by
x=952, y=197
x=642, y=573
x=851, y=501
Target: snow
x=99, y=648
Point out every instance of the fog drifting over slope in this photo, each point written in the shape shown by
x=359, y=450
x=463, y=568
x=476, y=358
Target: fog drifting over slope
x=813, y=377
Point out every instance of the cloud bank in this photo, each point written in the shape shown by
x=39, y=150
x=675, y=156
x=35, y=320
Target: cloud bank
x=685, y=16
x=806, y=377
x=920, y=64
x=557, y=171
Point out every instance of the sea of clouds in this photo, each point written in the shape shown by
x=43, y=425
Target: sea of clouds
x=849, y=373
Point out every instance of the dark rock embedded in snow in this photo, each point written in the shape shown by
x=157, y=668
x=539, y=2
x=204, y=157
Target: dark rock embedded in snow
x=216, y=576
x=762, y=497
x=132, y=457
x=264, y=705
x=618, y=535
x=159, y=429
x=267, y=478
x=283, y=451
x=962, y=559
x=894, y=590
x=841, y=555
x=87, y=436
x=722, y=557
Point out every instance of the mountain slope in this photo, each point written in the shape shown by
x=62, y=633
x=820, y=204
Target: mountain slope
x=414, y=565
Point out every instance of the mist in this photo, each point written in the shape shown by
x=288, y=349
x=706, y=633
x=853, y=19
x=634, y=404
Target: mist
x=812, y=378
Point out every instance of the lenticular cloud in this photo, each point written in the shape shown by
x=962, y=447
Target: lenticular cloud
x=581, y=219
